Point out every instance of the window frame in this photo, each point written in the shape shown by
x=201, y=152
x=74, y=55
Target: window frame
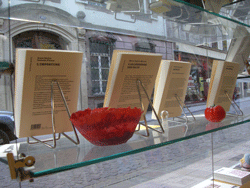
x=100, y=68
x=109, y=42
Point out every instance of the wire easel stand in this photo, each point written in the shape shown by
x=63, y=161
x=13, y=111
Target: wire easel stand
x=236, y=108
x=181, y=106
x=54, y=139
x=138, y=84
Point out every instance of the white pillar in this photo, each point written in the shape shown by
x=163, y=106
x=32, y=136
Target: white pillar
x=83, y=104
x=2, y=77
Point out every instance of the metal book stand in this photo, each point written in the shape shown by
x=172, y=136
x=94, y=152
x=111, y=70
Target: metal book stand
x=53, y=121
x=139, y=83
x=181, y=106
x=238, y=111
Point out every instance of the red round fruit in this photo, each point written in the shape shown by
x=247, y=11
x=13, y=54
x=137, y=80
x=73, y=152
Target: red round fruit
x=215, y=113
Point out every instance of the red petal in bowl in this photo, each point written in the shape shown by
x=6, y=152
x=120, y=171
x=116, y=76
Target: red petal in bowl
x=107, y=126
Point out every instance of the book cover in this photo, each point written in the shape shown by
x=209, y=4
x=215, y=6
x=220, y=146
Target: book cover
x=214, y=68
x=35, y=70
x=233, y=176
x=126, y=68
x=172, y=79
x=223, y=79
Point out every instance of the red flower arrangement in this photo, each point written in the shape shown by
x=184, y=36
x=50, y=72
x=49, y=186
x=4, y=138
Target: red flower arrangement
x=107, y=126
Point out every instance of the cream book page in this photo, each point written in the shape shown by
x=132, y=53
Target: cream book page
x=36, y=70
x=111, y=70
x=130, y=67
x=173, y=80
x=159, y=86
x=224, y=81
x=214, y=67
x=112, y=67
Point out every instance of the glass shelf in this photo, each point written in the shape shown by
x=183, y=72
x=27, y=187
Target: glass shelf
x=237, y=10
x=68, y=156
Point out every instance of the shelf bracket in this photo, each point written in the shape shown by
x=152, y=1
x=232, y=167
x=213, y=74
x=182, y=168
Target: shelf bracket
x=17, y=167
x=53, y=121
x=181, y=106
x=139, y=83
x=236, y=108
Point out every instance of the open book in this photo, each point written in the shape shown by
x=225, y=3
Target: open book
x=127, y=67
x=223, y=80
x=171, y=82
x=35, y=70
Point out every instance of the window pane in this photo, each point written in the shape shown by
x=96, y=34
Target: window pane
x=215, y=45
x=93, y=47
x=94, y=61
x=25, y=43
x=95, y=87
x=103, y=48
x=100, y=105
x=99, y=48
x=224, y=45
x=142, y=49
x=94, y=74
x=105, y=62
x=145, y=47
x=104, y=85
x=105, y=74
x=100, y=63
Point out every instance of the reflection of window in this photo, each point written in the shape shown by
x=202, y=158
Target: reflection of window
x=224, y=43
x=145, y=47
x=100, y=54
x=100, y=64
x=38, y=40
x=215, y=45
